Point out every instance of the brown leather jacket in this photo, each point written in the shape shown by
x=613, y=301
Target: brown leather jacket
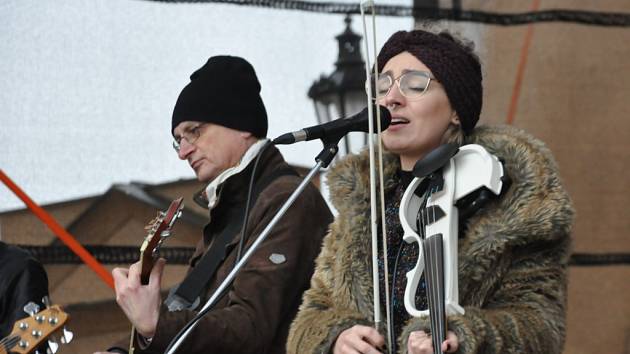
x=255, y=314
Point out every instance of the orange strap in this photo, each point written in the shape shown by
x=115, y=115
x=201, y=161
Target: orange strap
x=521, y=67
x=61, y=233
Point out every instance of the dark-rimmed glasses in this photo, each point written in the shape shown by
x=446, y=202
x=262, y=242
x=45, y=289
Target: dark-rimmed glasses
x=412, y=84
x=190, y=134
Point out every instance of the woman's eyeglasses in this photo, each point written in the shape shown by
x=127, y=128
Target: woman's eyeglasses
x=190, y=135
x=411, y=84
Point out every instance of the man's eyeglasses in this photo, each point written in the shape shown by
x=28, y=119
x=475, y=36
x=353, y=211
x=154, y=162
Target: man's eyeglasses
x=411, y=84
x=189, y=134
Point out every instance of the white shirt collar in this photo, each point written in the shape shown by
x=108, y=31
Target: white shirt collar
x=213, y=186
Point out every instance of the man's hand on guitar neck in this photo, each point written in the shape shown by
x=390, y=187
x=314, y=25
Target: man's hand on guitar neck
x=141, y=303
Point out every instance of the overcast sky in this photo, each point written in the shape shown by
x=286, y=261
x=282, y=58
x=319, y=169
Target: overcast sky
x=88, y=86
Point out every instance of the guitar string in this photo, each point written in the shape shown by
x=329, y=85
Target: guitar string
x=9, y=342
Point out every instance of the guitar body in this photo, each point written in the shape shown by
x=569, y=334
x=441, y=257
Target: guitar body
x=158, y=230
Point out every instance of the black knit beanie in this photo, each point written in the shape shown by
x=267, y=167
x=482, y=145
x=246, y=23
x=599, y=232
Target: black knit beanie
x=453, y=65
x=225, y=91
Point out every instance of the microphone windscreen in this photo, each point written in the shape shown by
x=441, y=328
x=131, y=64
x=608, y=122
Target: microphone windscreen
x=386, y=117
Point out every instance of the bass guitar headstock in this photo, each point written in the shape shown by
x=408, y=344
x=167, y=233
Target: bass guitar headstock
x=158, y=230
x=37, y=330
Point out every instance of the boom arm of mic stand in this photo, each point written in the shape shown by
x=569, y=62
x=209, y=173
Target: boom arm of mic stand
x=323, y=159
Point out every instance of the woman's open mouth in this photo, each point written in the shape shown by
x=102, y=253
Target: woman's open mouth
x=397, y=120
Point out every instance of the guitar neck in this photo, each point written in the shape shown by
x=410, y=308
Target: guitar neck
x=159, y=229
x=145, y=271
x=434, y=273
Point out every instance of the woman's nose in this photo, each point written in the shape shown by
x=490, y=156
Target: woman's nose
x=393, y=97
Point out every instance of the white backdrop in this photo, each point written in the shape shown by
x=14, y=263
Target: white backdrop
x=88, y=86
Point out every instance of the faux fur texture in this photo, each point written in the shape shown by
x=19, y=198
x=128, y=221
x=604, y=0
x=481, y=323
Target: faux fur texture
x=512, y=260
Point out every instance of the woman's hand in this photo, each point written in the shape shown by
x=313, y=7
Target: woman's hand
x=420, y=343
x=359, y=339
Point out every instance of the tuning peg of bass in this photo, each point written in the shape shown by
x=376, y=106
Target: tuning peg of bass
x=67, y=336
x=53, y=345
x=46, y=301
x=31, y=308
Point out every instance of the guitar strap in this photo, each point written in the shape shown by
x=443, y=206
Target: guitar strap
x=186, y=295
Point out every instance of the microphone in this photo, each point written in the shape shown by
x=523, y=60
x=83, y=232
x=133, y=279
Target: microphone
x=334, y=130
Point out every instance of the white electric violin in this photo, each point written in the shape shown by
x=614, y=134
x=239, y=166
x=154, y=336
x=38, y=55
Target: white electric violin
x=430, y=219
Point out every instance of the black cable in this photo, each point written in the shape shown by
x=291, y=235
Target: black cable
x=249, y=197
x=612, y=19
x=604, y=259
x=181, y=255
x=104, y=254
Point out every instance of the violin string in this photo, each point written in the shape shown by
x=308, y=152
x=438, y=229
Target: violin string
x=430, y=294
x=434, y=293
x=438, y=288
x=434, y=284
x=440, y=291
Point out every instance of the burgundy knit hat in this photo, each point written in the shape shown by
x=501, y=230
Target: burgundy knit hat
x=453, y=65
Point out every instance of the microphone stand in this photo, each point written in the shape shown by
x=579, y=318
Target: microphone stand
x=323, y=160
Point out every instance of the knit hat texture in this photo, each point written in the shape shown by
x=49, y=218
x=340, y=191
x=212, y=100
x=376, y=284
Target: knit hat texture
x=225, y=91
x=452, y=64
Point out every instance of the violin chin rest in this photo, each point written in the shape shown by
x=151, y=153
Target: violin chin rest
x=434, y=160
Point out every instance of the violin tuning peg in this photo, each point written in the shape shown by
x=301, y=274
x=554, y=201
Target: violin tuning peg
x=31, y=308
x=67, y=336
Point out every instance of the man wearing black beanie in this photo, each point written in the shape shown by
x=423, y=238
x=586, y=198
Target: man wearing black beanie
x=219, y=126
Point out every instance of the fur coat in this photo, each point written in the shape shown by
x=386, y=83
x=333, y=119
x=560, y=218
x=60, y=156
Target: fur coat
x=512, y=259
